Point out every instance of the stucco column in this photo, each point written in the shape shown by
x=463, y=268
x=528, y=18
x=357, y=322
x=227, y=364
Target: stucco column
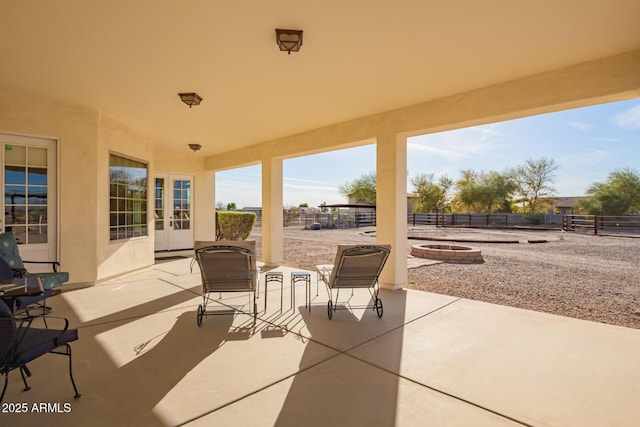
x=391, y=207
x=272, y=232
x=205, y=206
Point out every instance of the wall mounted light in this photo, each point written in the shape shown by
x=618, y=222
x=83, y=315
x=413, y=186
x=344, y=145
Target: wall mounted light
x=289, y=40
x=190, y=99
x=195, y=147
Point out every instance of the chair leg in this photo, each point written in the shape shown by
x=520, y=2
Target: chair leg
x=6, y=381
x=25, y=370
x=255, y=308
x=73, y=383
x=44, y=313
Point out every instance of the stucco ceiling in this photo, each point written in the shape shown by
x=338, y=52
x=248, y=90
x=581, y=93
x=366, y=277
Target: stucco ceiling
x=130, y=58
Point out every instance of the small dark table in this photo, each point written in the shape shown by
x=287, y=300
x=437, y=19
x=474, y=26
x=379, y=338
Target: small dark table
x=301, y=276
x=272, y=276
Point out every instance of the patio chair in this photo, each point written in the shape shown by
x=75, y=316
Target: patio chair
x=227, y=266
x=356, y=266
x=20, y=343
x=51, y=281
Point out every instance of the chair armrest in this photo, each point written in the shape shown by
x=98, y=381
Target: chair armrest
x=324, y=271
x=19, y=272
x=22, y=329
x=54, y=264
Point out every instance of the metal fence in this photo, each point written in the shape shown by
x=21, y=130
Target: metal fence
x=330, y=220
x=500, y=220
x=334, y=220
x=602, y=224
x=460, y=220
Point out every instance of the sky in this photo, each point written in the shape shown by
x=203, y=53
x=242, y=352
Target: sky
x=587, y=143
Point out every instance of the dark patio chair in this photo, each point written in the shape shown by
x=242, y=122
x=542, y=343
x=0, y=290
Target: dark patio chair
x=20, y=343
x=356, y=266
x=51, y=281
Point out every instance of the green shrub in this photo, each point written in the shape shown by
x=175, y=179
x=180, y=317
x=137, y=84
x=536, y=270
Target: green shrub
x=533, y=218
x=232, y=225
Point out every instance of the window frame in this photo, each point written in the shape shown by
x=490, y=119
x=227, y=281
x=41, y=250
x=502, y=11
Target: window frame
x=128, y=202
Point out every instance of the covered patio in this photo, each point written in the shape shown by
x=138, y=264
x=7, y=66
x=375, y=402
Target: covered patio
x=95, y=80
x=92, y=81
x=430, y=360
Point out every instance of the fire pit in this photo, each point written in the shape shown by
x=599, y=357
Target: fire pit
x=448, y=253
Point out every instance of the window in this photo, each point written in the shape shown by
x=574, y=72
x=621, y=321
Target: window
x=127, y=198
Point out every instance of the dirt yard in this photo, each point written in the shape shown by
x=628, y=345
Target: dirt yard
x=593, y=278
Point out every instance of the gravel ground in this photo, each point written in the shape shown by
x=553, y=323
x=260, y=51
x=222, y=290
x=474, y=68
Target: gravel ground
x=593, y=278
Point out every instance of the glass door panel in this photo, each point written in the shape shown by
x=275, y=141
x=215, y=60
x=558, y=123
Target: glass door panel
x=28, y=181
x=159, y=204
x=26, y=188
x=181, y=204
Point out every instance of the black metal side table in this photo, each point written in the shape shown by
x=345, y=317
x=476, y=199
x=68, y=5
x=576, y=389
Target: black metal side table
x=273, y=276
x=301, y=276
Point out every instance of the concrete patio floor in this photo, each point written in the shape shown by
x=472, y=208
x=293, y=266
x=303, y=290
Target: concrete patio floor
x=430, y=360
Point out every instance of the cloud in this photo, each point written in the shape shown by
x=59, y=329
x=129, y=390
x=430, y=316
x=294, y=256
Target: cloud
x=628, y=119
x=458, y=144
x=309, y=181
x=441, y=151
x=298, y=185
x=604, y=139
x=592, y=157
x=581, y=125
x=309, y=187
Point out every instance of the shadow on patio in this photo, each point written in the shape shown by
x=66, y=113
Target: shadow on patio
x=431, y=360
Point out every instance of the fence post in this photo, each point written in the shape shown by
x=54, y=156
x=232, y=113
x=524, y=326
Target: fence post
x=595, y=225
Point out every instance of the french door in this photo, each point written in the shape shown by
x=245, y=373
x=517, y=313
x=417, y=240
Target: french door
x=173, y=212
x=29, y=185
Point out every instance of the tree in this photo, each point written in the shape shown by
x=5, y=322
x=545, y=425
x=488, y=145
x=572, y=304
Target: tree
x=432, y=197
x=303, y=205
x=535, y=180
x=231, y=206
x=220, y=206
x=500, y=189
x=466, y=189
x=485, y=192
x=620, y=195
x=362, y=190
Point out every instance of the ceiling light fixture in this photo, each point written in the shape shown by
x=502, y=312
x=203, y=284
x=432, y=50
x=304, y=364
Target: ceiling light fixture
x=195, y=147
x=289, y=40
x=190, y=99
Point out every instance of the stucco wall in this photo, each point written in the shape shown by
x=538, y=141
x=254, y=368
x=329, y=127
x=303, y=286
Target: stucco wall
x=203, y=193
x=76, y=129
x=116, y=257
x=86, y=137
